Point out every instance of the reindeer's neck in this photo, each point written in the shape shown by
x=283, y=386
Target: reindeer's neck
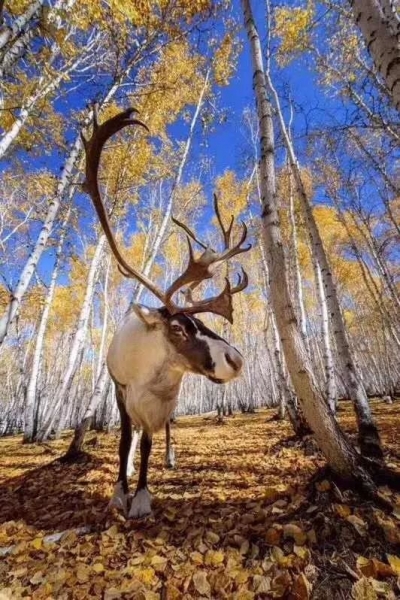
x=138, y=355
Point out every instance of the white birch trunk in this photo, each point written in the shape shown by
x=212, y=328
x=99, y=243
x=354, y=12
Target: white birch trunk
x=368, y=433
x=337, y=450
x=29, y=426
x=43, y=89
x=7, y=34
x=327, y=356
x=298, y=286
x=78, y=341
x=168, y=209
x=380, y=26
x=66, y=180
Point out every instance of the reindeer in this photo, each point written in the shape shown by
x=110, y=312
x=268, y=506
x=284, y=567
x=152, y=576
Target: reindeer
x=154, y=347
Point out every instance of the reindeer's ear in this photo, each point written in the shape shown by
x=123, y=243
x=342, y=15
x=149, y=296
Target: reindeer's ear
x=149, y=316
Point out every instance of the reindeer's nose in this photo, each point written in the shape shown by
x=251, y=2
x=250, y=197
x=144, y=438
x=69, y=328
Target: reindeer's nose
x=234, y=360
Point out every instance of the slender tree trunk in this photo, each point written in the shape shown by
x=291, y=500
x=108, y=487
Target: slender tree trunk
x=67, y=180
x=168, y=209
x=380, y=26
x=46, y=85
x=298, y=287
x=30, y=408
x=368, y=433
x=7, y=34
x=330, y=438
x=327, y=356
x=77, y=344
x=75, y=447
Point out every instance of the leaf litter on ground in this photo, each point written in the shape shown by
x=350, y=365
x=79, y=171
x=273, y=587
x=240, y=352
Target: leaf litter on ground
x=235, y=519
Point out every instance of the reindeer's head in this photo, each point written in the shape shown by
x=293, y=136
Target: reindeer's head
x=195, y=347
x=199, y=348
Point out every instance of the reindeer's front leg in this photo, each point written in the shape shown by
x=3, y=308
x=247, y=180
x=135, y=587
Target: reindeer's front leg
x=141, y=502
x=169, y=451
x=121, y=490
x=131, y=458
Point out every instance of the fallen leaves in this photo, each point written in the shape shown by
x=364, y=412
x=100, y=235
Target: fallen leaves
x=201, y=583
x=229, y=528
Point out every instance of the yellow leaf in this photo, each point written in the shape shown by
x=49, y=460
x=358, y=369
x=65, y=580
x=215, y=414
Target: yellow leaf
x=359, y=525
x=146, y=575
x=242, y=576
x=212, y=537
x=197, y=558
x=98, y=568
x=37, y=543
x=112, y=531
x=262, y=584
x=83, y=573
x=301, y=552
x=214, y=558
x=201, y=583
x=295, y=532
x=323, y=486
x=159, y=562
x=342, y=510
x=394, y=562
x=363, y=590
x=37, y=578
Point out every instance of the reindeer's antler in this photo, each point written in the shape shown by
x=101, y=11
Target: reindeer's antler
x=198, y=269
x=93, y=149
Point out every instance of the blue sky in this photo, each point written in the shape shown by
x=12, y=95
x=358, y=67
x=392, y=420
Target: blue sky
x=226, y=142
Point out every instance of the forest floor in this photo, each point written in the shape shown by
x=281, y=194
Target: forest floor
x=238, y=518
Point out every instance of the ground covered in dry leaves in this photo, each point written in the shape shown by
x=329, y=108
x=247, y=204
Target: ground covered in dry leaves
x=238, y=518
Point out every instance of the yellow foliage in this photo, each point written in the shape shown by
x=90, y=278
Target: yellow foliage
x=232, y=195
x=142, y=13
x=225, y=60
x=175, y=81
x=292, y=26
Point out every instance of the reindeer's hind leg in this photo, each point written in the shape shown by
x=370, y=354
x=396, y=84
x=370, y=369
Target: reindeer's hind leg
x=169, y=451
x=141, y=502
x=120, y=498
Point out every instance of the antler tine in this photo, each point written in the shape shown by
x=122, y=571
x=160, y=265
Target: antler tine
x=93, y=150
x=196, y=271
x=189, y=232
x=226, y=233
x=243, y=282
x=221, y=304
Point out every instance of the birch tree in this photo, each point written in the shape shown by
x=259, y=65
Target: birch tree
x=336, y=448
x=30, y=420
x=368, y=433
x=379, y=23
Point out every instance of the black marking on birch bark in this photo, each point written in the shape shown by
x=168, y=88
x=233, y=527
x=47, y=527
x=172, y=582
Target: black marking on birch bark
x=393, y=63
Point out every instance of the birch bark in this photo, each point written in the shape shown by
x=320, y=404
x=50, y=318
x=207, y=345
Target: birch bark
x=30, y=423
x=67, y=179
x=337, y=450
x=368, y=434
x=380, y=26
x=78, y=342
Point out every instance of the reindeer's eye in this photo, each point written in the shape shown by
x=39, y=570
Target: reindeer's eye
x=176, y=329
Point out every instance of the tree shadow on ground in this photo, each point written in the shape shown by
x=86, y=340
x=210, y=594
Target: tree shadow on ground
x=54, y=496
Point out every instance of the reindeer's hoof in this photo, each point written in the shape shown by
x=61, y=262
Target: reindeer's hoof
x=141, y=505
x=170, y=460
x=119, y=499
